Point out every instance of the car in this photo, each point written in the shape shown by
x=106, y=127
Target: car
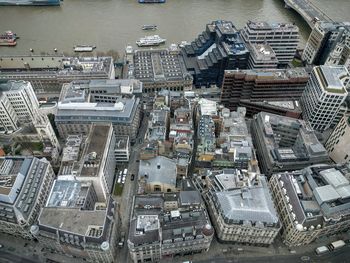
x=132, y=177
x=1, y=245
x=137, y=160
x=119, y=180
x=123, y=181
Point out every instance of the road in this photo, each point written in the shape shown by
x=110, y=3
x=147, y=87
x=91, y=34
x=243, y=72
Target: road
x=129, y=190
x=6, y=257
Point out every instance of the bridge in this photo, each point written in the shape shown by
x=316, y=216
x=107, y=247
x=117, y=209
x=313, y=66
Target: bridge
x=308, y=11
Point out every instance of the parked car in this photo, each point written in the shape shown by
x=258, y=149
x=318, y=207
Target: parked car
x=132, y=177
x=122, y=239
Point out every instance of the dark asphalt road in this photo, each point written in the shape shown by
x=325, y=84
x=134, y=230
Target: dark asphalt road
x=341, y=256
x=6, y=257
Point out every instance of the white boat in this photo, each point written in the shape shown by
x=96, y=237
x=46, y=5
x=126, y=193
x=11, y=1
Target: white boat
x=150, y=41
x=84, y=48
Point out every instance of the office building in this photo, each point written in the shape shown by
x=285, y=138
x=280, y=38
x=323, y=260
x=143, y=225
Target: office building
x=283, y=38
x=19, y=108
x=323, y=96
x=77, y=110
x=158, y=69
x=262, y=85
x=158, y=125
x=261, y=56
x=285, y=144
x=166, y=226
x=338, y=143
x=25, y=183
x=48, y=73
x=240, y=206
x=74, y=222
x=217, y=49
x=328, y=44
x=92, y=158
x=312, y=203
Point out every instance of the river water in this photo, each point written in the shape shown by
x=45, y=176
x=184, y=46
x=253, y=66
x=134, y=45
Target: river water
x=112, y=24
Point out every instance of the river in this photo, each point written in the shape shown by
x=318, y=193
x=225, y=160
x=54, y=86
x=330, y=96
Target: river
x=112, y=24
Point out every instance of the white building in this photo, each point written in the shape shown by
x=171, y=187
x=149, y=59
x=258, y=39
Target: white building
x=240, y=206
x=324, y=94
x=312, y=203
x=282, y=37
x=122, y=149
x=20, y=107
x=338, y=144
x=25, y=184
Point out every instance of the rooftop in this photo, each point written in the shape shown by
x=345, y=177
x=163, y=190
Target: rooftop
x=272, y=26
x=158, y=169
x=122, y=142
x=271, y=74
x=262, y=52
x=332, y=78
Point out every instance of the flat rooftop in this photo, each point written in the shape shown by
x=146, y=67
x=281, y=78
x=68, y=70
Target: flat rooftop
x=121, y=142
x=12, y=170
x=68, y=194
x=72, y=220
x=262, y=52
x=94, y=149
x=272, y=26
x=332, y=77
x=272, y=74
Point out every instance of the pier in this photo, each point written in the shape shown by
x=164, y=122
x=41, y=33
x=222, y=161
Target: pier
x=308, y=11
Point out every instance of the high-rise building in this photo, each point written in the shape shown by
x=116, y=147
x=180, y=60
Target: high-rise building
x=218, y=48
x=19, y=107
x=282, y=37
x=240, y=206
x=262, y=85
x=285, y=144
x=312, y=203
x=329, y=44
x=338, y=143
x=77, y=109
x=48, y=73
x=325, y=92
x=25, y=184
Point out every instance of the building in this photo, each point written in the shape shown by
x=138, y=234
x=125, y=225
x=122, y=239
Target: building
x=217, y=49
x=158, y=174
x=169, y=225
x=74, y=222
x=158, y=69
x=262, y=85
x=338, y=144
x=261, y=56
x=235, y=145
x=285, y=144
x=328, y=44
x=240, y=206
x=283, y=38
x=91, y=158
x=158, y=125
x=312, y=203
x=25, y=183
x=122, y=149
x=19, y=108
x=323, y=96
x=107, y=89
x=48, y=73
x=77, y=110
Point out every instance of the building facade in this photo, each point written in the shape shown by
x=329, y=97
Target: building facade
x=282, y=37
x=338, y=143
x=262, y=85
x=328, y=44
x=77, y=110
x=219, y=48
x=323, y=96
x=24, y=189
x=312, y=203
x=48, y=73
x=285, y=144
